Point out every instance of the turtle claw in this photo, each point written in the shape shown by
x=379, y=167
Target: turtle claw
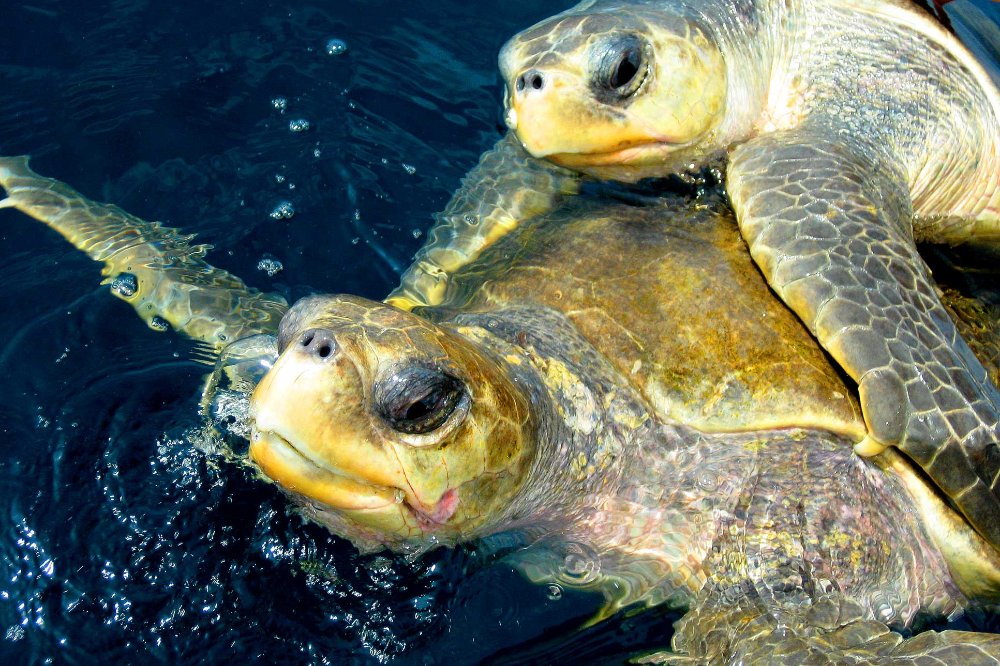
x=869, y=447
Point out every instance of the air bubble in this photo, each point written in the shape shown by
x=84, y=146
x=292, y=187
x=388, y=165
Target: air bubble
x=283, y=211
x=336, y=47
x=280, y=104
x=707, y=482
x=270, y=265
x=298, y=125
x=885, y=613
x=125, y=285
x=417, y=233
x=409, y=168
x=158, y=323
x=581, y=564
x=554, y=593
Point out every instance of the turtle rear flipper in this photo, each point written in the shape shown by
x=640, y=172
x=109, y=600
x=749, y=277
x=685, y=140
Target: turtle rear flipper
x=156, y=269
x=832, y=236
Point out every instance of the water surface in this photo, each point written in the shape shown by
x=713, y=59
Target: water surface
x=120, y=540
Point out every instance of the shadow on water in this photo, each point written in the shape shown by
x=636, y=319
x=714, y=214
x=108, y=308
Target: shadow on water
x=119, y=539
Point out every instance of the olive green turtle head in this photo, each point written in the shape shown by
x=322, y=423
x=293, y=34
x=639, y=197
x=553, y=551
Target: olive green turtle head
x=613, y=92
x=388, y=429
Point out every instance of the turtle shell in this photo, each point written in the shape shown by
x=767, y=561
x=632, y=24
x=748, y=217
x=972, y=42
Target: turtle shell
x=670, y=295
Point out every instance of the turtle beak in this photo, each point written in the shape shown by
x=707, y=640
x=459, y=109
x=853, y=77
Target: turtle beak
x=509, y=113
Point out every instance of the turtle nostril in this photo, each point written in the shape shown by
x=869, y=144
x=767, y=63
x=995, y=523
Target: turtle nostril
x=318, y=342
x=532, y=78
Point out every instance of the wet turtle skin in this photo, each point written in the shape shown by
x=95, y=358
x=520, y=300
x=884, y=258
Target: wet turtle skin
x=547, y=398
x=847, y=131
x=635, y=442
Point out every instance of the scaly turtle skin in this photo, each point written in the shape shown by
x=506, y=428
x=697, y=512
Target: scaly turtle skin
x=850, y=129
x=546, y=396
x=157, y=271
x=645, y=461
x=153, y=268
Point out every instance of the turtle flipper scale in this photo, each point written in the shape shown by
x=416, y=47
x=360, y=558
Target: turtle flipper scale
x=734, y=625
x=833, y=237
x=156, y=269
x=506, y=187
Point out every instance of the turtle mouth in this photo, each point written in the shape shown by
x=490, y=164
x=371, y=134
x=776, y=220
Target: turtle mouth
x=290, y=468
x=641, y=154
x=295, y=471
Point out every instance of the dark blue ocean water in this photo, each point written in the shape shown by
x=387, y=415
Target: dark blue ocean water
x=120, y=541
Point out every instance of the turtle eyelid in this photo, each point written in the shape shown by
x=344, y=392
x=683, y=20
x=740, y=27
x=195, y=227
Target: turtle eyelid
x=620, y=66
x=417, y=399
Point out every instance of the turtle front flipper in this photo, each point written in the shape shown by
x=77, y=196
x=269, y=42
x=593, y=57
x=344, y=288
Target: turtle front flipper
x=507, y=187
x=733, y=625
x=154, y=268
x=833, y=236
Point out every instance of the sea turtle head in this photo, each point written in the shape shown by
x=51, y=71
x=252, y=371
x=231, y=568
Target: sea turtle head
x=616, y=92
x=389, y=430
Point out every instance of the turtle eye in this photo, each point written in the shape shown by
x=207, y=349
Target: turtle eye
x=627, y=68
x=417, y=400
x=621, y=68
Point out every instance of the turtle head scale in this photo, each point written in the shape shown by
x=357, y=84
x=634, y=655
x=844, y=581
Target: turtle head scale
x=388, y=429
x=614, y=94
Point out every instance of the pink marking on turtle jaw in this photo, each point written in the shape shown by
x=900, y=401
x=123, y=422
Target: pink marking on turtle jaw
x=443, y=510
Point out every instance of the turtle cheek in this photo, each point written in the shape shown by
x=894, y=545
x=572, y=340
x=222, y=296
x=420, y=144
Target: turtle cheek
x=685, y=95
x=463, y=486
x=470, y=476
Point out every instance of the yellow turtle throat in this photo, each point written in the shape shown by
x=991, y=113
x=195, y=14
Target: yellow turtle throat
x=614, y=97
x=388, y=429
